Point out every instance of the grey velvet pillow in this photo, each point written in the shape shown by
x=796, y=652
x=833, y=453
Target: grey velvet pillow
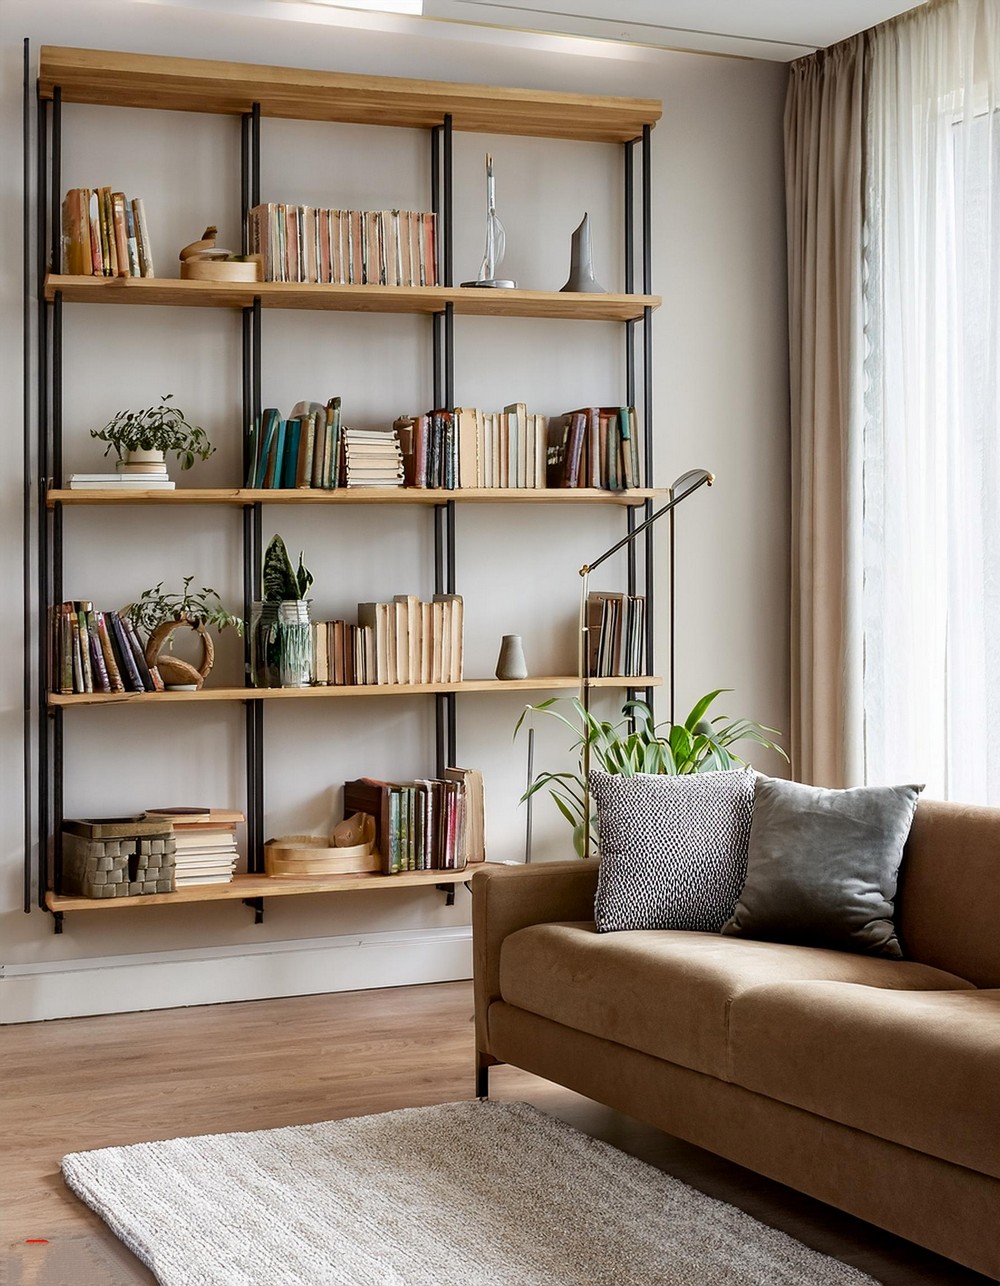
x=673, y=849
x=822, y=866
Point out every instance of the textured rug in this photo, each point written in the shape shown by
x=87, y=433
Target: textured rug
x=466, y=1194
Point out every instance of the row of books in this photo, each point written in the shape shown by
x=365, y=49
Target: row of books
x=104, y=234
x=416, y=641
x=92, y=651
x=344, y=247
x=312, y=448
x=591, y=447
x=616, y=629
x=302, y=450
x=205, y=849
x=431, y=824
x=343, y=653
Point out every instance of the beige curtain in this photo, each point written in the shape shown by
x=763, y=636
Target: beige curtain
x=823, y=167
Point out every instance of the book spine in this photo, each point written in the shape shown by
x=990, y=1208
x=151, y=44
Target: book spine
x=126, y=662
x=103, y=633
x=147, y=251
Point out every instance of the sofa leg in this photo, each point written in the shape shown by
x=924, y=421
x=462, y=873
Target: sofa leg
x=483, y=1064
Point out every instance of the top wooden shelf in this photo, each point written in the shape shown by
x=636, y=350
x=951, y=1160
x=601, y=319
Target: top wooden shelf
x=467, y=301
x=199, y=85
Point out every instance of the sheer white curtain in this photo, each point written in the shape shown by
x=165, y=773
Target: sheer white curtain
x=931, y=552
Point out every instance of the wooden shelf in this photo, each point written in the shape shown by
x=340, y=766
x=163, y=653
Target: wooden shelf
x=353, y=496
x=200, y=85
x=263, y=886
x=420, y=300
x=343, y=691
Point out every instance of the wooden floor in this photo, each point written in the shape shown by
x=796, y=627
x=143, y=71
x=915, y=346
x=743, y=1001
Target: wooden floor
x=91, y=1082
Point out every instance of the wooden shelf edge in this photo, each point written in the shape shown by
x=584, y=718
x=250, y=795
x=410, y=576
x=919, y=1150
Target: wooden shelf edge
x=416, y=300
x=344, y=692
x=351, y=496
x=263, y=886
x=202, y=85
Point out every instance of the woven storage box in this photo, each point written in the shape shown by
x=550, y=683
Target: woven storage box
x=105, y=860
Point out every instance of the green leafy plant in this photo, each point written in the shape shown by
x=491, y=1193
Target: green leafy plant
x=280, y=581
x=637, y=744
x=153, y=607
x=155, y=428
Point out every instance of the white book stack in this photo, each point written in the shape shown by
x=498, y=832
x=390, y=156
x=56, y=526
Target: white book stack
x=373, y=458
x=120, y=482
x=205, y=844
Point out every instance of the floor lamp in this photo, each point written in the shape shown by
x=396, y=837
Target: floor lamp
x=682, y=487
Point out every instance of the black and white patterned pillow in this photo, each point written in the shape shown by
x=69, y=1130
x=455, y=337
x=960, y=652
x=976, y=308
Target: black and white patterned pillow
x=673, y=849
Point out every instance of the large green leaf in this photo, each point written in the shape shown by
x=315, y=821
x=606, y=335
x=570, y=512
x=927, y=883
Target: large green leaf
x=278, y=579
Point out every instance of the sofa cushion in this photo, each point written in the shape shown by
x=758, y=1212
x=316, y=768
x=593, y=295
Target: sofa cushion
x=673, y=849
x=668, y=993
x=822, y=865
x=919, y=1068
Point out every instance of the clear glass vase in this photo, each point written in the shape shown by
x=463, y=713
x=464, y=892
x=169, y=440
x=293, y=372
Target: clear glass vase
x=281, y=644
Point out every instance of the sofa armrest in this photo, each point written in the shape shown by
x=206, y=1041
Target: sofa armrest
x=508, y=898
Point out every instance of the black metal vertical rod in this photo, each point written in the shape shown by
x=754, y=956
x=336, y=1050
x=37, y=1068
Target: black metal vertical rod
x=629, y=216
x=628, y=222
x=255, y=154
x=255, y=823
x=647, y=394
x=26, y=475
x=245, y=182
x=58, y=740
x=447, y=230
x=44, y=597
x=55, y=218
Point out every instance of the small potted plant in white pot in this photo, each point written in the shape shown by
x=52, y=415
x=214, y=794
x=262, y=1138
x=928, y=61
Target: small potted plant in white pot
x=158, y=615
x=142, y=439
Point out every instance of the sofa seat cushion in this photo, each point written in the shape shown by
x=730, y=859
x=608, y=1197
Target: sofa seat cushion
x=667, y=992
x=919, y=1068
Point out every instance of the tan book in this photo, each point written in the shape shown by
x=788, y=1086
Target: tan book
x=469, y=433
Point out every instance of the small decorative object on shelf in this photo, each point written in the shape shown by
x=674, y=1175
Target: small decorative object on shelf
x=160, y=615
x=581, y=263
x=203, y=260
x=496, y=239
x=350, y=850
x=511, y=663
x=281, y=637
x=141, y=439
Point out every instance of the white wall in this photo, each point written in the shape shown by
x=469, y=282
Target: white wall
x=721, y=392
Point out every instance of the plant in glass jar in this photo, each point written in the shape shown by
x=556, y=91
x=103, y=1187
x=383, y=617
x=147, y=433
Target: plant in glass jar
x=281, y=644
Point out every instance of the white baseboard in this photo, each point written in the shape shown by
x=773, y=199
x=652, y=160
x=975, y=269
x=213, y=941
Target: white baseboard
x=217, y=975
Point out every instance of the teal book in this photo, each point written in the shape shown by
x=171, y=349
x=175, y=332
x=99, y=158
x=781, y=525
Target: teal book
x=290, y=460
x=268, y=427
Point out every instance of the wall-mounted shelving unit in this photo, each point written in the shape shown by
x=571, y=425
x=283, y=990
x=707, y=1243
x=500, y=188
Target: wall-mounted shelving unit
x=255, y=93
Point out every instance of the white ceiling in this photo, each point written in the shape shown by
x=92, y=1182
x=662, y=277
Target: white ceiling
x=774, y=29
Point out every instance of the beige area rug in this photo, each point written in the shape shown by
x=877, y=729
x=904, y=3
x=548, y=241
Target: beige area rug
x=466, y=1194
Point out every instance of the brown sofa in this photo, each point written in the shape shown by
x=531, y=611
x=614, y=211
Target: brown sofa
x=870, y=1083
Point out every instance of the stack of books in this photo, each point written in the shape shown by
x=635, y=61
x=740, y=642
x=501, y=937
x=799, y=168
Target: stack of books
x=303, y=450
x=344, y=247
x=104, y=234
x=372, y=458
x=431, y=824
x=92, y=651
x=416, y=641
x=205, y=843
x=597, y=446
x=616, y=625
x=121, y=481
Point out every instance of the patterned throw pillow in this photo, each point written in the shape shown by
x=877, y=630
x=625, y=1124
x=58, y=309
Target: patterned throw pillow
x=673, y=849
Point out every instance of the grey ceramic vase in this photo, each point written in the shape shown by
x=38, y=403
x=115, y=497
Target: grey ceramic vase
x=511, y=663
x=581, y=263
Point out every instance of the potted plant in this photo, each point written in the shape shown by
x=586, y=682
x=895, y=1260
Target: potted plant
x=281, y=644
x=141, y=439
x=638, y=744
x=159, y=615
